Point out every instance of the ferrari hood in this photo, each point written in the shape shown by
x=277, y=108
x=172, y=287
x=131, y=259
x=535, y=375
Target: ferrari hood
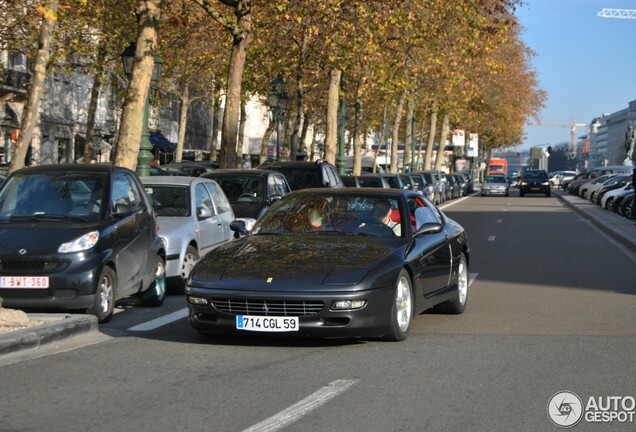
x=281, y=262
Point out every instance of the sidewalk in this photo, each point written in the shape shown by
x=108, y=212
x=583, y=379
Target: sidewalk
x=56, y=327
x=619, y=228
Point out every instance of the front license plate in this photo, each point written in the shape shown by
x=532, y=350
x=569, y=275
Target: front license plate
x=266, y=324
x=536, y=189
x=30, y=282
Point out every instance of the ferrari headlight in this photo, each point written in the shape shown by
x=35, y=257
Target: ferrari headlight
x=348, y=304
x=80, y=244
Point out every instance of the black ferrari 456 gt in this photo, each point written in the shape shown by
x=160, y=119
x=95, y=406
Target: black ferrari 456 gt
x=347, y=262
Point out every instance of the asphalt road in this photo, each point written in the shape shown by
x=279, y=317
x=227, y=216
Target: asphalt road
x=551, y=308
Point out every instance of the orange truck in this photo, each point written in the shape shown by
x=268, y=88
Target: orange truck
x=498, y=166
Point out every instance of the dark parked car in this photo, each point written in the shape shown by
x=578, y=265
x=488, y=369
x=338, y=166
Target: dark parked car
x=306, y=175
x=334, y=262
x=366, y=180
x=435, y=179
x=534, y=181
x=422, y=184
x=78, y=237
x=250, y=191
x=188, y=168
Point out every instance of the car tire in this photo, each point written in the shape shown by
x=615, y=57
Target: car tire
x=156, y=292
x=190, y=258
x=458, y=304
x=104, y=302
x=522, y=194
x=548, y=194
x=401, y=312
x=608, y=203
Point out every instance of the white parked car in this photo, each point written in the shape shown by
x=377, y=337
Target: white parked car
x=609, y=197
x=193, y=217
x=586, y=189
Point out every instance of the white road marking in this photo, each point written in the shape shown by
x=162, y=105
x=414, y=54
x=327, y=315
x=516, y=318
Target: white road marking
x=163, y=320
x=471, y=278
x=499, y=220
x=492, y=238
x=298, y=410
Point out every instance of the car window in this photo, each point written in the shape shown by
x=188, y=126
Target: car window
x=220, y=201
x=421, y=212
x=370, y=181
x=277, y=185
x=331, y=213
x=74, y=194
x=203, y=199
x=331, y=177
x=169, y=200
x=124, y=191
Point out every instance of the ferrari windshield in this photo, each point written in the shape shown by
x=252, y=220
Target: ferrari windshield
x=326, y=213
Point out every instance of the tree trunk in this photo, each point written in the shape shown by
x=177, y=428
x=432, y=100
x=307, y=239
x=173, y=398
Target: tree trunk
x=240, y=42
x=265, y=142
x=357, y=126
x=130, y=129
x=216, y=108
x=295, y=137
x=89, y=150
x=303, y=135
x=418, y=165
x=382, y=134
x=287, y=121
x=241, y=135
x=431, y=138
x=31, y=115
x=439, y=159
x=331, y=140
x=395, y=138
x=408, y=133
x=184, y=98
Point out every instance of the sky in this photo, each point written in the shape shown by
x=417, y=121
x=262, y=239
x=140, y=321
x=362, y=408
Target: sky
x=584, y=63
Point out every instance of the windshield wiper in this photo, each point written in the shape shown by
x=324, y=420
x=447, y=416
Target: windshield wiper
x=45, y=217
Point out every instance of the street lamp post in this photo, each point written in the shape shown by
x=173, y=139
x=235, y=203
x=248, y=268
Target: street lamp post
x=342, y=124
x=278, y=101
x=144, y=157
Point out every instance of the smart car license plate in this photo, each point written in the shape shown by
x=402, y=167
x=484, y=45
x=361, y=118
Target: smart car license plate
x=30, y=282
x=266, y=323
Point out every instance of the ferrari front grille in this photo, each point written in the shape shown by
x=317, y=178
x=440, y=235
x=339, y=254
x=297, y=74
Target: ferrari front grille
x=296, y=308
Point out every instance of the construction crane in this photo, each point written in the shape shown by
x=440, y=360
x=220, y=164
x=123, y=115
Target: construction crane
x=572, y=127
x=617, y=13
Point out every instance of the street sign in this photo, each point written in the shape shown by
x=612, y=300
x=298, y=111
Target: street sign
x=459, y=138
x=473, y=144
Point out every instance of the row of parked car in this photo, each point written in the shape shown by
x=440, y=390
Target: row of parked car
x=610, y=187
x=81, y=237
x=437, y=186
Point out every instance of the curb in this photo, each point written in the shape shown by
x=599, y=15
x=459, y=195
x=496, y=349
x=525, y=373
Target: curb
x=55, y=327
x=613, y=225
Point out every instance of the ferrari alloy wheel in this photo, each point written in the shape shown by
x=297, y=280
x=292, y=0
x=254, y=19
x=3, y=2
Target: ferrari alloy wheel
x=104, y=302
x=402, y=309
x=457, y=305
